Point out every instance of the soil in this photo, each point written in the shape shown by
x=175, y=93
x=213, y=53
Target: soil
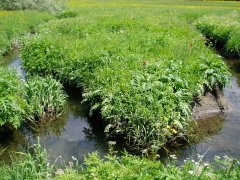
x=209, y=105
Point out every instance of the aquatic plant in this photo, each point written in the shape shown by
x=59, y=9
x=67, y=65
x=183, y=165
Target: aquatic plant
x=46, y=98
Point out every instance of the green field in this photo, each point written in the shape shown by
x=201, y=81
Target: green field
x=139, y=64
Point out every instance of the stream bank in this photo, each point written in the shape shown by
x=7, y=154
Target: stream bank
x=73, y=134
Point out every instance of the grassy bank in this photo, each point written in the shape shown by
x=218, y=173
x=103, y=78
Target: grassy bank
x=140, y=70
x=222, y=31
x=35, y=165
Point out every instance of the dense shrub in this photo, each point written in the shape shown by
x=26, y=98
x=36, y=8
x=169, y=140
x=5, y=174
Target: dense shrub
x=45, y=97
x=42, y=5
x=12, y=98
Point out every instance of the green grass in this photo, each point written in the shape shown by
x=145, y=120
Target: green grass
x=14, y=24
x=140, y=70
x=223, y=31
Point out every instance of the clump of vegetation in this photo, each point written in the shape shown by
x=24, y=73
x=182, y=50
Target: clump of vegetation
x=31, y=165
x=13, y=104
x=38, y=99
x=132, y=167
x=67, y=14
x=34, y=165
x=141, y=75
x=223, y=31
x=46, y=98
x=42, y=5
x=15, y=24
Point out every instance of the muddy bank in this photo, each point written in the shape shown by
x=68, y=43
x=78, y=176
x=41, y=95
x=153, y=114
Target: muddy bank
x=209, y=105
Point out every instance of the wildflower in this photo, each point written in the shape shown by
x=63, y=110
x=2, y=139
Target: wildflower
x=74, y=158
x=59, y=172
x=205, y=164
x=190, y=172
x=174, y=131
x=173, y=156
x=111, y=142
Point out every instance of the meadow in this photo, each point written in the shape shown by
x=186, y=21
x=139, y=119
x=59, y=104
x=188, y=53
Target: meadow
x=139, y=64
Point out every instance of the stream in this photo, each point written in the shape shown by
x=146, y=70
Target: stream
x=73, y=134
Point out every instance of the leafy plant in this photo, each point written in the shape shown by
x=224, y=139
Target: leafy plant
x=12, y=98
x=45, y=97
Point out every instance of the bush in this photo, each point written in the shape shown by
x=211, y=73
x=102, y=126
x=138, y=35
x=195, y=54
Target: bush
x=12, y=98
x=45, y=97
x=67, y=14
x=42, y=5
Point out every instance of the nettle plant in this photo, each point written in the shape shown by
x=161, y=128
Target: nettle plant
x=13, y=104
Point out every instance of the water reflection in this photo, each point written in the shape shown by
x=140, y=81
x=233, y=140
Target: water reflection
x=66, y=136
x=219, y=135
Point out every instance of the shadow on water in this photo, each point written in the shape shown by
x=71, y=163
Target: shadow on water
x=69, y=135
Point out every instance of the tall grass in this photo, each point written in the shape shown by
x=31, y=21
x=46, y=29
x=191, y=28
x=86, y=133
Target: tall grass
x=31, y=165
x=16, y=23
x=37, y=99
x=34, y=165
x=140, y=70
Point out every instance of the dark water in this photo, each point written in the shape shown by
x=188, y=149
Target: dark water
x=73, y=134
